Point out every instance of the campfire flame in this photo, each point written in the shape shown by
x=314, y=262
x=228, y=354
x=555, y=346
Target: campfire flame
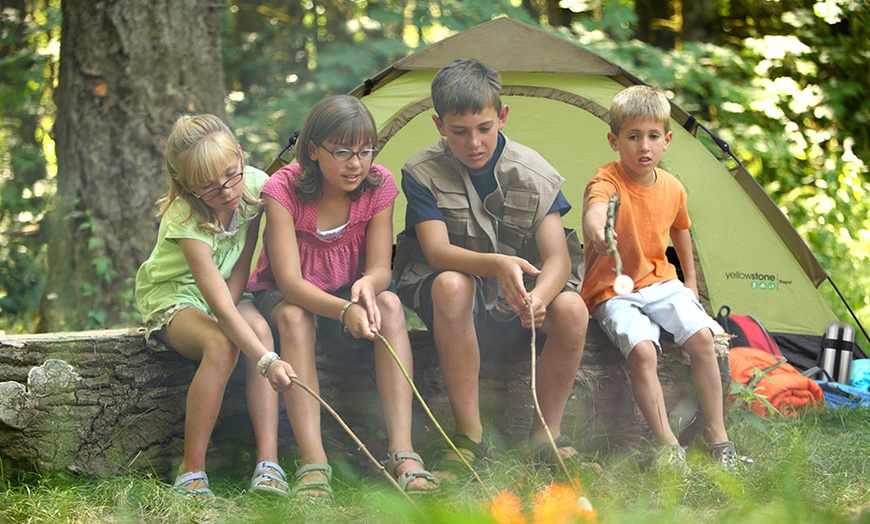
x=558, y=503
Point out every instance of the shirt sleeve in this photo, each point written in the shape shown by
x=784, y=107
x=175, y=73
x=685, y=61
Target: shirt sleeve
x=560, y=205
x=421, y=206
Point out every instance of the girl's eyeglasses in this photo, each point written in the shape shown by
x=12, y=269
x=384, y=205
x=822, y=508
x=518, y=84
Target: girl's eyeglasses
x=232, y=181
x=344, y=155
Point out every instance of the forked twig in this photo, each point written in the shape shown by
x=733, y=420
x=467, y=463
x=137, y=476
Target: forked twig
x=350, y=432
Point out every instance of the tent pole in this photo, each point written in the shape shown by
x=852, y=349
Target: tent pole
x=854, y=316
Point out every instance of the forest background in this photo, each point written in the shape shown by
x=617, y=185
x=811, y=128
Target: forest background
x=88, y=90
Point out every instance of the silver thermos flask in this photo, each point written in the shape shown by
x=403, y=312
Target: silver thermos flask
x=837, y=351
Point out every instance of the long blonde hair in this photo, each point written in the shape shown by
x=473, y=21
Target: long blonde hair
x=195, y=155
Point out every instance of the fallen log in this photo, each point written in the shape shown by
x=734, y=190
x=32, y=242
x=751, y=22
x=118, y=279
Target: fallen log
x=98, y=403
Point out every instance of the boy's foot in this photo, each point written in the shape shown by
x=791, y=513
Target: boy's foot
x=724, y=453
x=545, y=453
x=450, y=466
x=672, y=457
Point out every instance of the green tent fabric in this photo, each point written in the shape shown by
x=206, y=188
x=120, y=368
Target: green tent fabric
x=749, y=256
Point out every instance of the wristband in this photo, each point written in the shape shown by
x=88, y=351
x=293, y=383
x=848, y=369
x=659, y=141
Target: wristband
x=343, y=312
x=266, y=361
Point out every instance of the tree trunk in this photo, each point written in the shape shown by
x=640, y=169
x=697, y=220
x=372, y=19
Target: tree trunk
x=128, y=69
x=102, y=402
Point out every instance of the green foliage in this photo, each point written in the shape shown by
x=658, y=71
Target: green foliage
x=28, y=63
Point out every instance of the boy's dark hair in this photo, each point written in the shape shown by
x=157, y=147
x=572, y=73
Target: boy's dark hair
x=466, y=86
x=639, y=102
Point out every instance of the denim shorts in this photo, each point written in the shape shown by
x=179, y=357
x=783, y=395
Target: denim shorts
x=630, y=319
x=329, y=331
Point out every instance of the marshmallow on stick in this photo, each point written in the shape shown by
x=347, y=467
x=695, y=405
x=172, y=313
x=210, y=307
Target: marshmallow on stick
x=623, y=284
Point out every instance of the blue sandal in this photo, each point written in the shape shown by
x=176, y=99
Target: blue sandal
x=190, y=477
x=267, y=473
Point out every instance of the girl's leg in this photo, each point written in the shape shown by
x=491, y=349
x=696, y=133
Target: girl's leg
x=296, y=329
x=395, y=392
x=197, y=336
x=261, y=398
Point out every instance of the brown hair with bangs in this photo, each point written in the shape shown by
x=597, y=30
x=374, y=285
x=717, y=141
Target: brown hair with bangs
x=340, y=119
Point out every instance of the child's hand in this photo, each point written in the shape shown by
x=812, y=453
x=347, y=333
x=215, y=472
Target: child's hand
x=279, y=374
x=538, y=307
x=599, y=242
x=356, y=321
x=363, y=293
x=509, y=272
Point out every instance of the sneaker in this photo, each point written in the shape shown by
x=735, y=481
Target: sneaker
x=672, y=457
x=724, y=453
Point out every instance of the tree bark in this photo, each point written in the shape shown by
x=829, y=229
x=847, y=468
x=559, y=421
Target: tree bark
x=102, y=402
x=128, y=69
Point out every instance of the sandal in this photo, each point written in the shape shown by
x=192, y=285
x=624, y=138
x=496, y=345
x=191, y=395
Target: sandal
x=397, y=458
x=198, y=494
x=267, y=473
x=313, y=486
x=454, y=466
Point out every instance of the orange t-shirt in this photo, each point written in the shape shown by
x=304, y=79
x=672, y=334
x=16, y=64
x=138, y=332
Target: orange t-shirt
x=643, y=222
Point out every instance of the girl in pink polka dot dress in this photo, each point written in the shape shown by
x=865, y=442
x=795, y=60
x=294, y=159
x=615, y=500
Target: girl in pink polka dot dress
x=324, y=274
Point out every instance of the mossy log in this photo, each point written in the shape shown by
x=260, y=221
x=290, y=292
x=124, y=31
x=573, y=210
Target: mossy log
x=98, y=403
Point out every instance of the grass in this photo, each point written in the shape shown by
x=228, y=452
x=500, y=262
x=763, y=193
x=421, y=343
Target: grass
x=812, y=468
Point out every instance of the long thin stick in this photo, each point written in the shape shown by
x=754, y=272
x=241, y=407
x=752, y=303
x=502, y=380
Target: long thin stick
x=350, y=432
x=428, y=411
x=540, y=413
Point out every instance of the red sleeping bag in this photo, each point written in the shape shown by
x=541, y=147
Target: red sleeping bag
x=783, y=386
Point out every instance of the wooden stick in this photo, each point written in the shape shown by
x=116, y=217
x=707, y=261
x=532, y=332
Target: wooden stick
x=612, y=207
x=540, y=413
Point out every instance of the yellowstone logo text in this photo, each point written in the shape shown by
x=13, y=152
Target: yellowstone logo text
x=761, y=281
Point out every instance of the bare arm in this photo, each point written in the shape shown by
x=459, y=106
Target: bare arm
x=239, y=277
x=553, y=247
x=682, y=240
x=217, y=294
x=376, y=275
x=593, y=226
x=508, y=270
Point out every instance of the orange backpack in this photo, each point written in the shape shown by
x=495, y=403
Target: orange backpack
x=780, y=383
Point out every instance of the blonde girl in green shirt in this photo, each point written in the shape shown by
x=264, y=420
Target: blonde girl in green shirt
x=189, y=292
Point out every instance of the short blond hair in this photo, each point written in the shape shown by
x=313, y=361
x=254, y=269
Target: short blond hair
x=639, y=102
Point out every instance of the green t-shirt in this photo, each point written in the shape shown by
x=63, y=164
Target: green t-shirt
x=165, y=280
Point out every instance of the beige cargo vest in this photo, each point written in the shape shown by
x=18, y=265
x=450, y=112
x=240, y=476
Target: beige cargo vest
x=504, y=222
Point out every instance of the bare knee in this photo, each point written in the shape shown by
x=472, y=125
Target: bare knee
x=295, y=326
x=643, y=358
x=700, y=345
x=567, y=314
x=219, y=355
x=390, y=306
x=453, y=294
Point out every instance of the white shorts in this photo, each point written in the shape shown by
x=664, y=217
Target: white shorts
x=630, y=319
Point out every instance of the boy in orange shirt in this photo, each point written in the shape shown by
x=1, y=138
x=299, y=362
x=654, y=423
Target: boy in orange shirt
x=652, y=210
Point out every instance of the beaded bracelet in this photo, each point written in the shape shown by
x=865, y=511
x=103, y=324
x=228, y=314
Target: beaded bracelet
x=266, y=361
x=343, y=312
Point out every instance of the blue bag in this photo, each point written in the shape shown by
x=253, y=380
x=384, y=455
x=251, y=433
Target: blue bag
x=841, y=395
